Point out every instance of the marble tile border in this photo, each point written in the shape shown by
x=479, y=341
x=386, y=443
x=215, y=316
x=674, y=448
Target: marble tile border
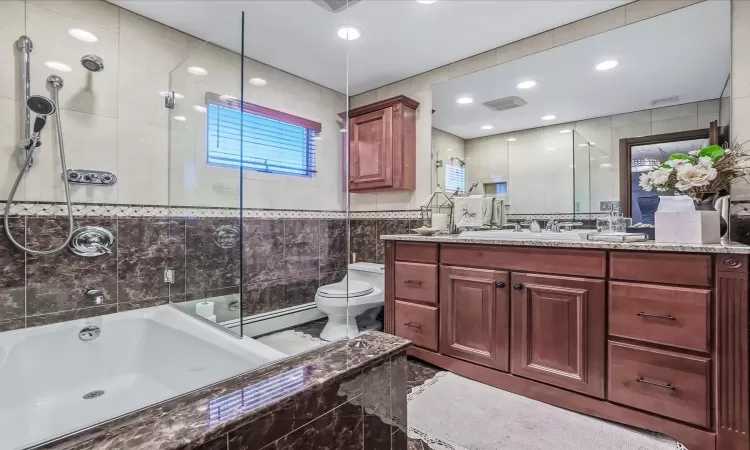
x=43, y=209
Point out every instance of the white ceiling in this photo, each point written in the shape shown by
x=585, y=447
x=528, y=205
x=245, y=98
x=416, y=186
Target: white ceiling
x=400, y=38
x=672, y=54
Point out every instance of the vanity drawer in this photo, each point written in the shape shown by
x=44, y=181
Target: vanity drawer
x=416, y=252
x=671, y=268
x=662, y=314
x=660, y=382
x=417, y=323
x=416, y=281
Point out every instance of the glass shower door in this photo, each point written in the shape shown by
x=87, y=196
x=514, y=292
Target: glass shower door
x=204, y=190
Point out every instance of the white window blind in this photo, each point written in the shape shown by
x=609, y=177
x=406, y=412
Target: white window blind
x=455, y=178
x=258, y=139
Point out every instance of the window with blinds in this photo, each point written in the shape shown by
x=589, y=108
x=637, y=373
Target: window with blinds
x=251, y=137
x=455, y=178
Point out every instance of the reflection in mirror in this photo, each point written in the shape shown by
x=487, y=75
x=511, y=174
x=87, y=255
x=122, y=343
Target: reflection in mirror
x=543, y=133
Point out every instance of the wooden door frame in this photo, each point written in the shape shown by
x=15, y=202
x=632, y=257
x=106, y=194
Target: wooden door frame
x=626, y=145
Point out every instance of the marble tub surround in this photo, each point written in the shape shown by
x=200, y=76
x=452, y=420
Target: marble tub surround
x=729, y=247
x=349, y=395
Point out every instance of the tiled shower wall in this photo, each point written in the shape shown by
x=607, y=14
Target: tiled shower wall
x=285, y=260
x=286, y=256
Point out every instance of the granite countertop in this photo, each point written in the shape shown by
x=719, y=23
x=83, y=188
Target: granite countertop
x=727, y=247
x=184, y=422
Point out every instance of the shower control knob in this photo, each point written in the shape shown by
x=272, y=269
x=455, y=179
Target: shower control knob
x=106, y=178
x=74, y=175
x=91, y=177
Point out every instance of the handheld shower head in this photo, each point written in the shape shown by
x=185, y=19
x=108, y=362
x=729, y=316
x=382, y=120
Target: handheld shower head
x=42, y=107
x=92, y=63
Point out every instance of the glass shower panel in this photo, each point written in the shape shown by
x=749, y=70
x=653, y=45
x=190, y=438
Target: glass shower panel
x=204, y=185
x=293, y=192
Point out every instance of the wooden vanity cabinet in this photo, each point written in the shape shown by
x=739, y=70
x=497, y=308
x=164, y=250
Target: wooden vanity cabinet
x=474, y=315
x=654, y=340
x=558, y=331
x=382, y=145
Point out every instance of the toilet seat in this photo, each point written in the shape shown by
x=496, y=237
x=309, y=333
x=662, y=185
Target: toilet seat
x=343, y=289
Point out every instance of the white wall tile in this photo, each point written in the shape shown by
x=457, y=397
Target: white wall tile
x=142, y=163
x=704, y=121
x=10, y=122
x=622, y=120
x=708, y=107
x=12, y=26
x=428, y=79
x=608, y=20
x=674, y=125
x=525, y=47
x=644, y=9
x=740, y=50
x=90, y=143
x=83, y=91
x=473, y=64
x=394, y=89
x=364, y=99
x=674, y=112
x=106, y=15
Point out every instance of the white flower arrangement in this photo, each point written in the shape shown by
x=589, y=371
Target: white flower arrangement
x=711, y=169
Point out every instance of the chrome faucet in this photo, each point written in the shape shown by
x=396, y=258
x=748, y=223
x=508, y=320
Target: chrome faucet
x=552, y=226
x=515, y=225
x=94, y=296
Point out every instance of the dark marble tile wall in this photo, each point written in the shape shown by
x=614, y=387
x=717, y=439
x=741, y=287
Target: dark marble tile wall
x=283, y=262
x=365, y=236
x=364, y=412
x=739, y=230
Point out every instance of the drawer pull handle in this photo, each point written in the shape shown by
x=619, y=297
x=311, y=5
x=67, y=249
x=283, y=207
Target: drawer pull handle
x=500, y=285
x=518, y=287
x=417, y=282
x=657, y=316
x=413, y=325
x=655, y=383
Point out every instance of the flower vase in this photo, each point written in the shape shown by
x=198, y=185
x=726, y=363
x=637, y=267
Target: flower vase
x=706, y=201
x=679, y=221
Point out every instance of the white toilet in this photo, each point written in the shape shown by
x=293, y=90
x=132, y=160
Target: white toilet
x=360, y=293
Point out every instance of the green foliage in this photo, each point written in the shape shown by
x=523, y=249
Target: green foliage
x=715, y=152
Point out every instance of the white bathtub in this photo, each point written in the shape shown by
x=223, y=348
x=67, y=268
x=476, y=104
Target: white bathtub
x=141, y=357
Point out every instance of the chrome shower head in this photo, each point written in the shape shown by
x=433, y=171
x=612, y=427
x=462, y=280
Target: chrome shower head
x=92, y=63
x=41, y=105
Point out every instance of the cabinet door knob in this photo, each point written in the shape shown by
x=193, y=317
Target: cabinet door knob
x=518, y=287
x=500, y=284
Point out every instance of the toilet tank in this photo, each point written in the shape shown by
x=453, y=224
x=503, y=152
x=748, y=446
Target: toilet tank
x=368, y=272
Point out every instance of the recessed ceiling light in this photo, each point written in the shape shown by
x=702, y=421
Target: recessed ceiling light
x=177, y=95
x=528, y=84
x=606, y=65
x=426, y=2
x=605, y=165
x=348, y=32
x=197, y=70
x=487, y=127
x=82, y=35
x=565, y=131
x=464, y=100
x=54, y=65
x=549, y=117
x=259, y=82
x=550, y=148
x=586, y=144
x=180, y=118
x=199, y=108
x=511, y=139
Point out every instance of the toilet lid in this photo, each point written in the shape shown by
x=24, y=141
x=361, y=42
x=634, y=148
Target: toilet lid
x=342, y=290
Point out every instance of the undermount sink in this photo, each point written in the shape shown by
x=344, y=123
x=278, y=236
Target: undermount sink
x=526, y=235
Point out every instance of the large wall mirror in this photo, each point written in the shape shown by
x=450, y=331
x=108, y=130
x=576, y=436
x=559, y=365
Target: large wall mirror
x=565, y=132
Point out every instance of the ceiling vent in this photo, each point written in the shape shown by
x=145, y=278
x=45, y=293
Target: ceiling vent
x=665, y=100
x=506, y=103
x=335, y=6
